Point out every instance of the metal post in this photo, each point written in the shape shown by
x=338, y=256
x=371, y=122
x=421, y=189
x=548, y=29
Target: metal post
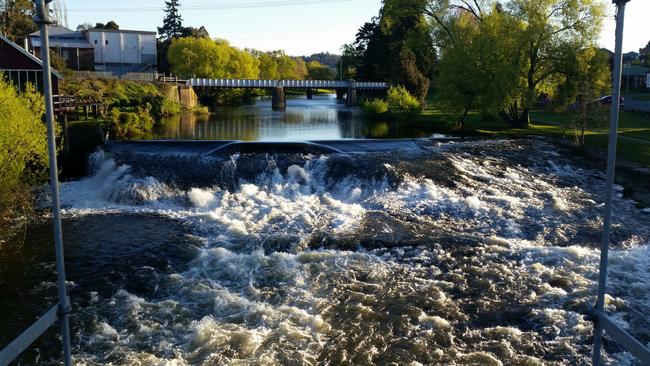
x=611, y=168
x=43, y=19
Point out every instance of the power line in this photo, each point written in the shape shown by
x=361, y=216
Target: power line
x=249, y=5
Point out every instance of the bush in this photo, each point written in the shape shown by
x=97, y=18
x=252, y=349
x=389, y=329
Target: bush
x=23, y=149
x=375, y=107
x=129, y=125
x=400, y=100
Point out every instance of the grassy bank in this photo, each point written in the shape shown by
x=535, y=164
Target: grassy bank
x=634, y=131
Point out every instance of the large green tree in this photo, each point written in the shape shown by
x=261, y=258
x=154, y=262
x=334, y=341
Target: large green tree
x=538, y=47
x=172, y=23
x=397, y=46
x=476, y=69
x=318, y=71
x=16, y=19
x=206, y=58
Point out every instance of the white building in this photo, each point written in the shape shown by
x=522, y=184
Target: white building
x=121, y=51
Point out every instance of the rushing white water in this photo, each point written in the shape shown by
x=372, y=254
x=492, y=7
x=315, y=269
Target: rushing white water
x=489, y=261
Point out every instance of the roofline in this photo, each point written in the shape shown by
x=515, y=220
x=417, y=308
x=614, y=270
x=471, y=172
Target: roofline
x=120, y=31
x=32, y=57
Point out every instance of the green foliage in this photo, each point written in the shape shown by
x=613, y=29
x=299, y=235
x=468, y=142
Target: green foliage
x=477, y=68
x=397, y=47
x=203, y=57
x=525, y=48
x=172, y=23
x=129, y=125
x=268, y=67
x=110, y=25
x=400, y=100
x=317, y=71
x=375, y=107
x=16, y=19
x=23, y=148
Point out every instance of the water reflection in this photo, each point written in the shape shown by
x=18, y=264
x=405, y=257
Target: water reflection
x=322, y=118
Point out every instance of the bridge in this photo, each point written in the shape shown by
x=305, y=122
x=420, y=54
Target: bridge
x=343, y=87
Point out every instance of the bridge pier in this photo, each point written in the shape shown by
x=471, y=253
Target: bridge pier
x=310, y=93
x=340, y=93
x=352, y=94
x=278, y=101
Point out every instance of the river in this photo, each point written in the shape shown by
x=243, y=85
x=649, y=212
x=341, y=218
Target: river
x=322, y=118
x=479, y=252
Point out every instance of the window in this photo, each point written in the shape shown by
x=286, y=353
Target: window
x=106, y=41
x=95, y=41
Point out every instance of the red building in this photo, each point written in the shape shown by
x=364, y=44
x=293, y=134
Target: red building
x=19, y=67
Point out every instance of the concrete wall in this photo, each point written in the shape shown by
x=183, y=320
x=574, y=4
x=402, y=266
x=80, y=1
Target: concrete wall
x=187, y=96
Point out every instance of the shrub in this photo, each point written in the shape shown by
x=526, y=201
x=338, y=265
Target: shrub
x=129, y=125
x=23, y=149
x=375, y=107
x=400, y=100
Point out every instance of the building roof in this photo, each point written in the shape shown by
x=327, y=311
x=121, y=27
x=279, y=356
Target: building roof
x=120, y=31
x=635, y=70
x=64, y=43
x=54, y=30
x=27, y=54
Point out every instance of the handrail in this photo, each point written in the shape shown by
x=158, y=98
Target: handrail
x=27, y=337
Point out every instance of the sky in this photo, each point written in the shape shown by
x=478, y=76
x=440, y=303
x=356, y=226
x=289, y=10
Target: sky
x=300, y=27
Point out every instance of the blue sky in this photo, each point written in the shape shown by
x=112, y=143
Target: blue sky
x=319, y=25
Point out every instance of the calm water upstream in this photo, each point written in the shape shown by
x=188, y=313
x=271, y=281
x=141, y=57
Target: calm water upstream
x=322, y=118
x=453, y=253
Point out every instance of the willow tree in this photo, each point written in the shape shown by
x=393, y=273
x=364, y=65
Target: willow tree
x=476, y=68
x=548, y=33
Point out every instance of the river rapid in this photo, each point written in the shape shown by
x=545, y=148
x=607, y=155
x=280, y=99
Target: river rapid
x=458, y=253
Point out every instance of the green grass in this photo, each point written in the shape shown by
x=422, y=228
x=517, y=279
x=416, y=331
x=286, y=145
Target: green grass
x=631, y=124
x=546, y=123
x=643, y=97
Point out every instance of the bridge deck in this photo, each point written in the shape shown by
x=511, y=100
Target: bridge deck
x=294, y=84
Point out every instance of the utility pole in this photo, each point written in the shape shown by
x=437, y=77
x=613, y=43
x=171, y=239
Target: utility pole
x=611, y=170
x=43, y=19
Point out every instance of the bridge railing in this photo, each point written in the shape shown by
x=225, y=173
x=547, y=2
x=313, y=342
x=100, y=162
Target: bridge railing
x=299, y=84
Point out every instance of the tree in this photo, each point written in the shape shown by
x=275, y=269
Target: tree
x=172, y=23
x=198, y=57
x=111, y=25
x=317, y=71
x=23, y=148
x=206, y=58
x=476, y=68
x=195, y=32
x=268, y=67
x=349, y=62
x=16, y=19
x=397, y=46
x=84, y=27
x=587, y=78
x=547, y=33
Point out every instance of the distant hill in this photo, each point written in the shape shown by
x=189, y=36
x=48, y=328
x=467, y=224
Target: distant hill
x=324, y=58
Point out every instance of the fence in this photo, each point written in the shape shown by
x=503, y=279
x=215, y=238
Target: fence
x=133, y=76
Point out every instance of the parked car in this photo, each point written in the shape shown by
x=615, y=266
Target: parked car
x=607, y=100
